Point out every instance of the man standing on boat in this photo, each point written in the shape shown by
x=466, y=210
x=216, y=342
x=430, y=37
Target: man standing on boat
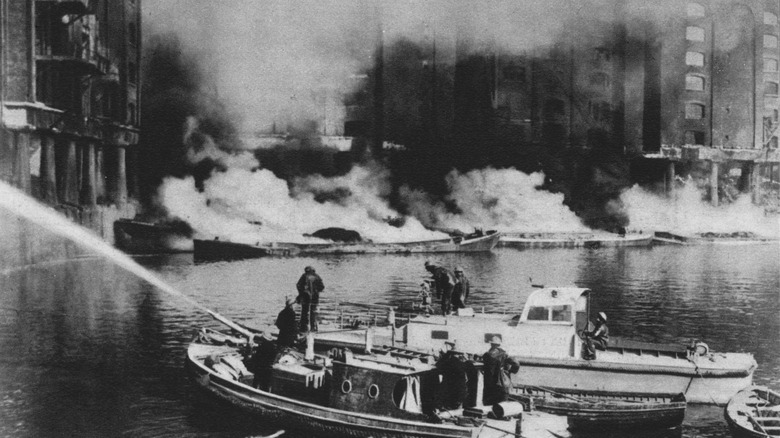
x=445, y=283
x=498, y=365
x=453, y=390
x=461, y=290
x=285, y=322
x=309, y=287
x=596, y=339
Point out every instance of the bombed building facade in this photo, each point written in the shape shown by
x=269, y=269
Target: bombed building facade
x=70, y=103
x=691, y=93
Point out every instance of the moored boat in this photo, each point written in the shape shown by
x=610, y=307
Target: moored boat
x=139, y=237
x=607, y=412
x=545, y=341
x=572, y=240
x=222, y=249
x=344, y=395
x=754, y=412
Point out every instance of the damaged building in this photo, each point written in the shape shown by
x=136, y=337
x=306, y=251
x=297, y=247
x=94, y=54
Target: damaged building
x=69, y=105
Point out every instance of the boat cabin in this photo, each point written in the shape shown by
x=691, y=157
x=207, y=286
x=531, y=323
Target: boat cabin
x=547, y=327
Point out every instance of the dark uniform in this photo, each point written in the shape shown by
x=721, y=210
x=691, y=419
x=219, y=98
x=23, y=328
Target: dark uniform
x=596, y=339
x=309, y=287
x=461, y=290
x=288, y=331
x=498, y=365
x=454, y=384
x=445, y=283
x=262, y=363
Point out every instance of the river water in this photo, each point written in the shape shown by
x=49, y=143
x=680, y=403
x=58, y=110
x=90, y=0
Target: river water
x=87, y=349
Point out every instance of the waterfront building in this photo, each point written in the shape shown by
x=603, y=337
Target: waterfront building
x=691, y=88
x=70, y=103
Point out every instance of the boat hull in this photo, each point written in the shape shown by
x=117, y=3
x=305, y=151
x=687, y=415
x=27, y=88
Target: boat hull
x=316, y=419
x=751, y=406
x=593, y=412
x=573, y=240
x=137, y=237
x=224, y=250
x=605, y=378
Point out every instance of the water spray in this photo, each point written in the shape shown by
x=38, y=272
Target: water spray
x=18, y=203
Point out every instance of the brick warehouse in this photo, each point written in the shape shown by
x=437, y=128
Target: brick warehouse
x=695, y=90
x=69, y=105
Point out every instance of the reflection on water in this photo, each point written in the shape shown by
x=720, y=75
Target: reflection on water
x=86, y=349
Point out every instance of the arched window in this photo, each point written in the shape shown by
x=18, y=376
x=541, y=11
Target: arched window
x=695, y=10
x=770, y=19
x=694, y=59
x=693, y=33
x=770, y=41
x=694, y=111
x=694, y=83
x=770, y=64
x=771, y=88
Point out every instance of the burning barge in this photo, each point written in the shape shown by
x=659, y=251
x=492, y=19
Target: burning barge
x=224, y=250
x=573, y=240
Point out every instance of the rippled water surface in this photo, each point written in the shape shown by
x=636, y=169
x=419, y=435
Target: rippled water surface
x=86, y=349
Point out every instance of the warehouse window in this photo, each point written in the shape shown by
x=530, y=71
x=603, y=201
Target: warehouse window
x=770, y=19
x=773, y=143
x=132, y=34
x=770, y=64
x=693, y=33
x=694, y=59
x=694, y=83
x=770, y=41
x=695, y=10
x=694, y=111
x=771, y=88
x=694, y=137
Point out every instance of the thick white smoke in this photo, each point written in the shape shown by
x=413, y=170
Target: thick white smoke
x=255, y=206
x=687, y=213
x=504, y=199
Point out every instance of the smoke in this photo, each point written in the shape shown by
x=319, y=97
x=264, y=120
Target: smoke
x=256, y=206
x=505, y=199
x=686, y=213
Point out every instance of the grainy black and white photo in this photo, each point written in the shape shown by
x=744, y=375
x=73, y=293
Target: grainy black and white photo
x=390, y=218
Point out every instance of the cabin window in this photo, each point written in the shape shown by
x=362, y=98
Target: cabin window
x=440, y=334
x=537, y=314
x=490, y=336
x=346, y=387
x=373, y=391
x=561, y=313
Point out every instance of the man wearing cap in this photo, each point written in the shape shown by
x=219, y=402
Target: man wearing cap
x=597, y=338
x=309, y=287
x=445, y=283
x=453, y=390
x=285, y=322
x=461, y=290
x=498, y=365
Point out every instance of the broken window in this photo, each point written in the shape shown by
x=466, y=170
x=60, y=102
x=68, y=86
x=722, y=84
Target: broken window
x=694, y=111
x=694, y=137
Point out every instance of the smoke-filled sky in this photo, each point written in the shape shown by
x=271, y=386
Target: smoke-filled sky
x=282, y=62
